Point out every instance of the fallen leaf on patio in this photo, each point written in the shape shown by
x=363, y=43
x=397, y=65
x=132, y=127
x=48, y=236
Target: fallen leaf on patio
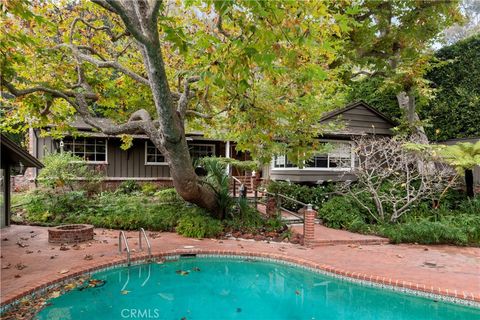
x=124, y=292
x=52, y=257
x=5, y=239
x=20, y=266
x=64, y=271
x=23, y=238
x=399, y=256
x=38, y=251
x=88, y=257
x=17, y=276
x=28, y=251
x=21, y=244
x=7, y=266
x=64, y=248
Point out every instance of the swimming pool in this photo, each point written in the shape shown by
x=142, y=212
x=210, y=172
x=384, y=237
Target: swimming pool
x=227, y=288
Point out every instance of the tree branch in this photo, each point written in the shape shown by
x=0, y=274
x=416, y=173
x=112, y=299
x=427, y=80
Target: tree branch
x=185, y=96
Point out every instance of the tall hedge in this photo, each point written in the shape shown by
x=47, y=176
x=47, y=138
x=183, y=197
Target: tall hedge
x=455, y=110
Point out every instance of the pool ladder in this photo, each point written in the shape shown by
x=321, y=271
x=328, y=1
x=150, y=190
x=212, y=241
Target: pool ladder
x=123, y=239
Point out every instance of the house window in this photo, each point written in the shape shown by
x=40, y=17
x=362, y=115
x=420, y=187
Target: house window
x=198, y=151
x=153, y=156
x=282, y=162
x=340, y=158
x=89, y=149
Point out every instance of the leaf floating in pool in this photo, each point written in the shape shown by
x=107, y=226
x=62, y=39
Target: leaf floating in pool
x=184, y=318
x=196, y=269
x=297, y=292
x=182, y=272
x=94, y=283
x=239, y=309
x=124, y=292
x=69, y=286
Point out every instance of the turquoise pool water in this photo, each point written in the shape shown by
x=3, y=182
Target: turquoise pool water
x=222, y=288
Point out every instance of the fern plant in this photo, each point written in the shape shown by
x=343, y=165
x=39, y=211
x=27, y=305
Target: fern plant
x=463, y=156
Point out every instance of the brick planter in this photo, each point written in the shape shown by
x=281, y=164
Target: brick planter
x=70, y=233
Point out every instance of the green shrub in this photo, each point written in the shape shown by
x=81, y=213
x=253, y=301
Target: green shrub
x=168, y=196
x=244, y=218
x=316, y=196
x=344, y=213
x=128, y=186
x=198, y=226
x=149, y=188
x=426, y=232
x=62, y=171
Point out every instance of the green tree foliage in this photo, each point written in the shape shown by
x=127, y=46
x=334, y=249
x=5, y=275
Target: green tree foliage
x=455, y=110
x=390, y=44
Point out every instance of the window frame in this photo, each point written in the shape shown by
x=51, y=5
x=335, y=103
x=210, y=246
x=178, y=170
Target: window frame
x=84, y=152
x=148, y=163
x=202, y=145
x=352, y=159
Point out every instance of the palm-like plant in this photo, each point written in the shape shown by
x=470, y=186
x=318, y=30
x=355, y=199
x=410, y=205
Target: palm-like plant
x=463, y=157
x=219, y=181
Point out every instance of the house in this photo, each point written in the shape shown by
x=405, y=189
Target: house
x=358, y=119
x=143, y=162
x=11, y=156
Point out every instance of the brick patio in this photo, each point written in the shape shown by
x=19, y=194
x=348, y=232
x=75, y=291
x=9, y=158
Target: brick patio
x=29, y=262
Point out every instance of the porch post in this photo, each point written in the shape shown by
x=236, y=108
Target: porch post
x=227, y=155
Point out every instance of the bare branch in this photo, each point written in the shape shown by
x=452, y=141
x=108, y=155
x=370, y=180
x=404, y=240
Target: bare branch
x=66, y=95
x=103, y=63
x=220, y=27
x=185, y=96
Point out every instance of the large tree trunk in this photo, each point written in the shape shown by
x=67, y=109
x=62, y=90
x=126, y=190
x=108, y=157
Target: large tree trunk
x=172, y=141
x=140, y=18
x=469, y=182
x=406, y=102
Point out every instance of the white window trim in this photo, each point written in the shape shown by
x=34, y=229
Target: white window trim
x=153, y=163
x=203, y=145
x=96, y=162
x=352, y=163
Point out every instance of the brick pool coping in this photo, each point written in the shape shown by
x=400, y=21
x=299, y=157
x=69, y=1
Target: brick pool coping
x=40, y=287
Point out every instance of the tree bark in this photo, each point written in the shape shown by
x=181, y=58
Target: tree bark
x=469, y=182
x=172, y=141
x=140, y=19
x=406, y=102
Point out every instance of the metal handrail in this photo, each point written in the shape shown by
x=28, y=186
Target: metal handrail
x=287, y=198
x=121, y=236
x=141, y=233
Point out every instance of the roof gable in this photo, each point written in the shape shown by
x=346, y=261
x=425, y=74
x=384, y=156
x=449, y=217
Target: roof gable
x=15, y=153
x=359, y=118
